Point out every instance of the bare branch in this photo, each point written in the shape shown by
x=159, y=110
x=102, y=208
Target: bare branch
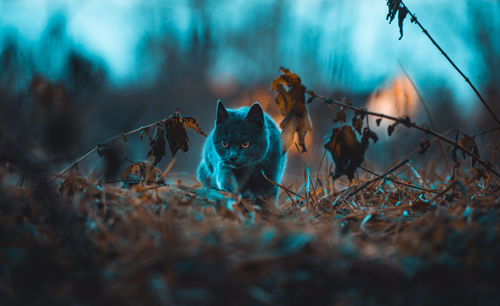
x=406, y=122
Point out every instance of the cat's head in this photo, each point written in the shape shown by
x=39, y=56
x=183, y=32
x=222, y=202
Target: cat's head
x=240, y=136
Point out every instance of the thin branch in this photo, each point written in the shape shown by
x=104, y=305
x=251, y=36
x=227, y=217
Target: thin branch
x=406, y=122
x=415, y=20
x=377, y=178
x=281, y=186
x=400, y=183
x=107, y=142
x=428, y=113
x=480, y=133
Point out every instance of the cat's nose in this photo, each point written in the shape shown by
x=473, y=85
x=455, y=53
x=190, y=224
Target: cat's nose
x=233, y=158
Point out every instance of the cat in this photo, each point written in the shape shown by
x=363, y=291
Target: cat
x=244, y=143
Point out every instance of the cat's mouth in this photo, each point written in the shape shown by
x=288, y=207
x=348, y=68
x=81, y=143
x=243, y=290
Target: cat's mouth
x=232, y=165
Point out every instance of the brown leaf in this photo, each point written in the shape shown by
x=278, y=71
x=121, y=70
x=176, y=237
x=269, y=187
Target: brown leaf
x=368, y=134
x=390, y=128
x=291, y=101
x=176, y=128
x=347, y=152
x=142, y=172
x=340, y=115
x=397, y=7
x=284, y=100
x=403, y=11
x=73, y=185
x=469, y=143
x=357, y=123
x=406, y=121
x=293, y=123
x=424, y=146
x=346, y=101
x=157, y=145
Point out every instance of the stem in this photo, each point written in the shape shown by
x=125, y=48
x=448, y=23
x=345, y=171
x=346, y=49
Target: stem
x=400, y=183
x=413, y=125
x=378, y=178
x=281, y=186
x=428, y=113
x=415, y=20
x=486, y=131
x=107, y=142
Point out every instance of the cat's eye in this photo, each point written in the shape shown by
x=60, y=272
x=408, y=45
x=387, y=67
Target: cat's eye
x=224, y=144
x=245, y=144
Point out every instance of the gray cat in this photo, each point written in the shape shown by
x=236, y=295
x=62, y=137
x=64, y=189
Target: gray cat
x=244, y=143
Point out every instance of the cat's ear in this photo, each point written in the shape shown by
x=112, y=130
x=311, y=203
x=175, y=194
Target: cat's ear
x=256, y=115
x=221, y=112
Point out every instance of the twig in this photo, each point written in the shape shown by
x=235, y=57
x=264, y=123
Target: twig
x=401, y=183
x=363, y=214
x=378, y=178
x=281, y=186
x=479, y=133
x=428, y=113
x=134, y=181
x=415, y=20
x=449, y=188
x=107, y=142
x=406, y=122
x=168, y=168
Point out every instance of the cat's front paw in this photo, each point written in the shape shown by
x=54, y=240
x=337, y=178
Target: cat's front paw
x=228, y=183
x=226, y=180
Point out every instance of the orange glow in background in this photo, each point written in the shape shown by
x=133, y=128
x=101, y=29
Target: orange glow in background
x=397, y=99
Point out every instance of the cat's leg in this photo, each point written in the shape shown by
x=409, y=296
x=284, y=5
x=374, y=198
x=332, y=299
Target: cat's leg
x=225, y=180
x=205, y=174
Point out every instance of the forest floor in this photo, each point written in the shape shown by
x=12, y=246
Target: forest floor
x=407, y=236
x=400, y=239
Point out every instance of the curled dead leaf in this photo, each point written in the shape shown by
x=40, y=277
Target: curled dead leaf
x=357, y=123
x=176, y=128
x=424, y=146
x=347, y=152
x=390, y=128
x=157, y=144
x=291, y=101
x=469, y=143
x=295, y=123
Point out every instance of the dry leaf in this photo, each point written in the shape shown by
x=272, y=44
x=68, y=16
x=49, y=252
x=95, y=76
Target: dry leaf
x=347, y=152
x=157, y=144
x=340, y=115
x=144, y=132
x=397, y=7
x=176, y=127
x=142, y=172
x=357, y=123
x=292, y=104
x=424, y=146
x=469, y=143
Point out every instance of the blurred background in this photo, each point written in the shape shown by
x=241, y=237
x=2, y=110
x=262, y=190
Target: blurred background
x=126, y=63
